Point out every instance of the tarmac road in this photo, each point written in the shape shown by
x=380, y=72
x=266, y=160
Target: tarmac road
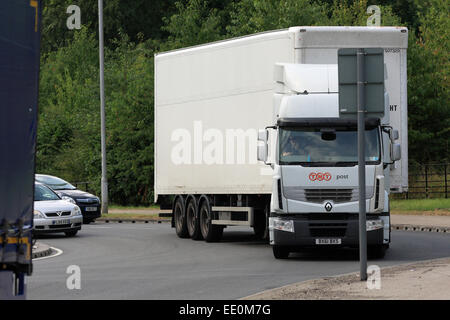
x=148, y=261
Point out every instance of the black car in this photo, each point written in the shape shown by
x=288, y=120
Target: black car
x=88, y=203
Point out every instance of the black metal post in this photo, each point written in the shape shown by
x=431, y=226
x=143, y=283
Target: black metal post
x=361, y=164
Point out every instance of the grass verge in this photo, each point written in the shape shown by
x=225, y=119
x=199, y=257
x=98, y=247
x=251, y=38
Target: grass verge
x=131, y=216
x=433, y=207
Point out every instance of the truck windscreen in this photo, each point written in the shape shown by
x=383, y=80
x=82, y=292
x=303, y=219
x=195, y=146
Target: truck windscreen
x=326, y=147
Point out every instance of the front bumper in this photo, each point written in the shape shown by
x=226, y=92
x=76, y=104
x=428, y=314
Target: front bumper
x=90, y=215
x=57, y=225
x=309, y=227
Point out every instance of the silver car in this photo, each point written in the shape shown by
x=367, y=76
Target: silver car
x=53, y=214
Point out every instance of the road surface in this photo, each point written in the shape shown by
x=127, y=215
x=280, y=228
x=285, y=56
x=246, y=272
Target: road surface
x=148, y=261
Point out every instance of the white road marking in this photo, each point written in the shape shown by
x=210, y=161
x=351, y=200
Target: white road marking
x=58, y=252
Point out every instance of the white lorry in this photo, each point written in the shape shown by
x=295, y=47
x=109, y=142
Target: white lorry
x=211, y=102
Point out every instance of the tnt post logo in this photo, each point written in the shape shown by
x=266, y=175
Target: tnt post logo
x=319, y=176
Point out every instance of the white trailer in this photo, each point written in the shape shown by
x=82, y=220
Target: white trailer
x=211, y=100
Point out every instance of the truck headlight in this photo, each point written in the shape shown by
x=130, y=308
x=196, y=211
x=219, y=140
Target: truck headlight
x=68, y=199
x=38, y=214
x=374, y=225
x=280, y=224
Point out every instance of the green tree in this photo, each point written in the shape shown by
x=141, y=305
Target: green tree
x=137, y=17
x=193, y=23
x=428, y=85
x=250, y=16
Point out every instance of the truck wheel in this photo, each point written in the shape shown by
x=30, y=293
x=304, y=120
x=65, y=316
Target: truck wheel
x=377, y=251
x=261, y=227
x=192, y=221
x=180, y=219
x=210, y=232
x=280, y=252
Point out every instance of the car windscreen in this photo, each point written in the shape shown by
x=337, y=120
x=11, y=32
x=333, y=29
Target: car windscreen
x=55, y=183
x=43, y=193
x=329, y=147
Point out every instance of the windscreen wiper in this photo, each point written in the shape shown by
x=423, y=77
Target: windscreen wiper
x=322, y=164
x=345, y=163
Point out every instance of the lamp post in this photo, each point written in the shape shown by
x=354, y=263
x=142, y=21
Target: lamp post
x=104, y=180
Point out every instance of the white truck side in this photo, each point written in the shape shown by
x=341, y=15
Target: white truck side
x=211, y=102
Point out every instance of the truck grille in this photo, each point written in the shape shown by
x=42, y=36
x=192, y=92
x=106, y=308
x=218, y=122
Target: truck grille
x=327, y=229
x=325, y=194
x=335, y=195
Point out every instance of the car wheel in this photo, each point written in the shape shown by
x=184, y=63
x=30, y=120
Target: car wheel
x=71, y=233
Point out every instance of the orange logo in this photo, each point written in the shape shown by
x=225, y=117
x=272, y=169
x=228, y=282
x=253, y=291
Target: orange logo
x=320, y=176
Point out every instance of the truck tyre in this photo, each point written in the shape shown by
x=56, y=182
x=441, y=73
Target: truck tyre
x=261, y=227
x=377, y=251
x=280, y=252
x=210, y=232
x=180, y=218
x=192, y=221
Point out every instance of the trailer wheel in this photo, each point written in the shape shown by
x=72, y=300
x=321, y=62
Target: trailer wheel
x=280, y=252
x=192, y=221
x=180, y=218
x=210, y=232
x=261, y=227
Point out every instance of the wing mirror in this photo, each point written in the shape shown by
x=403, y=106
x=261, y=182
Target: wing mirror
x=262, y=148
x=393, y=134
x=396, y=151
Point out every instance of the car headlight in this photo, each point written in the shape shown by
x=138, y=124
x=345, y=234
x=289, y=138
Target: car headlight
x=77, y=211
x=280, y=224
x=68, y=199
x=38, y=214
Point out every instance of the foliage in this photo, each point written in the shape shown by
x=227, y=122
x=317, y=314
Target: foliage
x=428, y=85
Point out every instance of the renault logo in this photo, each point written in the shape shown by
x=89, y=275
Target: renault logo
x=59, y=213
x=328, y=206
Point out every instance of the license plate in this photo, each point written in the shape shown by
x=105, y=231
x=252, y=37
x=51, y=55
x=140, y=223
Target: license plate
x=328, y=241
x=91, y=208
x=67, y=221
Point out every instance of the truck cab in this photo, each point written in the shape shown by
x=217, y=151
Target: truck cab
x=314, y=156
